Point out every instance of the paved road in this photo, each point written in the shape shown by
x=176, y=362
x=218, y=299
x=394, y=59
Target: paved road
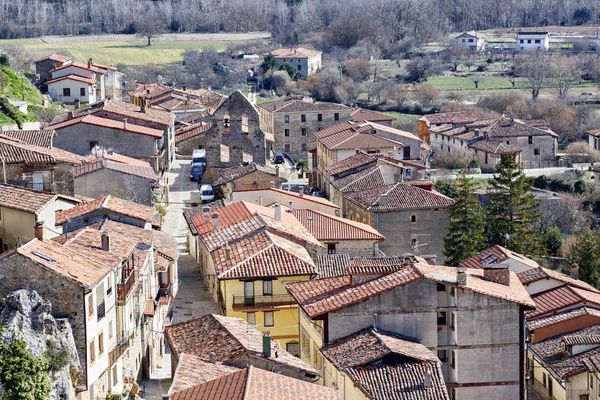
x=193, y=299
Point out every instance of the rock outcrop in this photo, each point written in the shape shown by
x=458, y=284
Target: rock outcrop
x=25, y=315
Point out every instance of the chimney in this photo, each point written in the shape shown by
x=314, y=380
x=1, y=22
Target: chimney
x=574, y=271
x=148, y=92
x=301, y=192
x=184, y=88
x=266, y=345
x=497, y=273
x=291, y=206
x=125, y=123
x=90, y=63
x=206, y=214
x=427, y=379
x=374, y=321
x=105, y=242
x=213, y=357
x=39, y=230
x=215, y=220
x=227, y=250
x=383, y=200
x=277, y=171
x=357, y=151
x=77, y=103
x=461, y=276
x=277, y=212
x=260, y=201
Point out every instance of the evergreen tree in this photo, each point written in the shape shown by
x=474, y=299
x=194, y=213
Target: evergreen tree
x=465, y=235
x=512, y=214
x=585, y=251
x=269, y=63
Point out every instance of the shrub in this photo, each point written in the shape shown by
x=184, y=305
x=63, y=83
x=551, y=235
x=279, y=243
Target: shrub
x=57, y=358
x=427, y=94
x=454, y=160
x=582, y=152
x=358, y=70
x=4, y=60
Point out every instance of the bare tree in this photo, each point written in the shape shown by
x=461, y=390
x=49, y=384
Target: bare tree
x=535, y=68
x=455, y=54
x=150, y=26
x=565, y=73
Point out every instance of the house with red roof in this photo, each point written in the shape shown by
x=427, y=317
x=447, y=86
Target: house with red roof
x=307, y=61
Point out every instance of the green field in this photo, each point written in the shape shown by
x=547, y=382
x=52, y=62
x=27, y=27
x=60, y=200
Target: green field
x=466, y=83
x=401, y=116
x=113, y=53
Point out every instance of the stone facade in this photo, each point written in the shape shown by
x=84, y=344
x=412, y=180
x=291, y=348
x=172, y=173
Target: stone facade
x=105, y=181
x=255, y=180
x=354, y=248
x=57, y=178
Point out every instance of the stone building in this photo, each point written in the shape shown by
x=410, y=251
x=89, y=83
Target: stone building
x=30, y=160
x=294, y=122
x=270, y=196
x=362, y=115
x=138, y=132
x=411, y=215
x=306, y=60
x=188, y=138
x=247, y=177
x=454, y=119
x=472, y=321
x=45, y=65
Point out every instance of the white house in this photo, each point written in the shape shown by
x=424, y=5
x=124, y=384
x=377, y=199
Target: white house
x=77, y=81
x=527, y=41
x=113, y=82
x=472, y=41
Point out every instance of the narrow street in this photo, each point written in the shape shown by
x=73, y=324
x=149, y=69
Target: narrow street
x=193, y=299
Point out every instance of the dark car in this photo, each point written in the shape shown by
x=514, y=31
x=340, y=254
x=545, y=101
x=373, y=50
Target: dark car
x=196, y=172
x=279, y=158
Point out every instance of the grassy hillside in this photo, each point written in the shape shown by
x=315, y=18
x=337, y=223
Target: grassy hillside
x=18, y=87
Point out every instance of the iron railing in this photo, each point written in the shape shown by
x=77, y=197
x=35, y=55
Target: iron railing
x=276, y=300
x=101, y=310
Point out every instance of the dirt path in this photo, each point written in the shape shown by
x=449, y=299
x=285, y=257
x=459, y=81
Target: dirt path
x=165, y=37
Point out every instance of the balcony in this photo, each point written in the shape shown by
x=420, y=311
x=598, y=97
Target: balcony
x=164, y=295
x=101, y=311
x=262, y=302
x=117, y=352
x=150, y=308
x=124, y=288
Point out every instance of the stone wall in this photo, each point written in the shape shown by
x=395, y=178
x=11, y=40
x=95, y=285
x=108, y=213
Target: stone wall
x=106, y=181
x=255, y=180
x=355, y=248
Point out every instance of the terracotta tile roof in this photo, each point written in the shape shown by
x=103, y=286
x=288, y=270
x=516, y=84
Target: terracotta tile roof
x=136, y=170
x=593, y=132
x=150, y=91
x=494, y=147
x=23, y=199
x=579, y=339
x=362, y=115
x=72, y=77
x=54, y=57
x=297, y=105
x=188, y=213
x=482, y=123
x=495, y=255
x=365, y=179
x=206, y=97
x=332, y=265
x=229, y=338
x=192, y=131
x=509, y=127
x=66, y=262
x=298, y=52
x=42, y=138
x=328, y=227
x=350, y=163
x=111, y=203
x=233, y=173
x=397, y=162
x=88, y=242
x=81, y=66
x=257, y=384
x=192, y=371
x=350, y=136
x=553, y=351
x=321, y=296
x=560, y=298
x=313, y=199
x=541, y=273
x=112, y=124
x=17, y=152
x=125, y=160
x=448, y=130
x=561, y=317
x=454, y=118
x=377, y=265
x=400, y=196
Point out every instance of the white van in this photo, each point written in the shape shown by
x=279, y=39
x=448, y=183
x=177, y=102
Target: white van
x=206, y=193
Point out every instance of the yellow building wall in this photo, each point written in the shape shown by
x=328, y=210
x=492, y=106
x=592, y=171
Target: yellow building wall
x=15, y=225
x=423, y=131
x=285, y=318
x=558, y=392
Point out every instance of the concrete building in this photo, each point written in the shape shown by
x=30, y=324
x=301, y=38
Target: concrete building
x=249, y=176
x=142, y=133
x=471, y=319
x=532, y=41
x=306, y=60
x=271, y=196
x=472, y=41
x=294, y=122
x=30, y=160
x=45, y=65
x=21, y=209
x=411, y=215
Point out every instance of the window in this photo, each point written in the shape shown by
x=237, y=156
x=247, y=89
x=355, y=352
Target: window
x=441, y=318
x=109, y=285
x=336, y=116
x=101, y=344
x=82, y=91
x=303, y=131
x=406, y=153
x=538, y=41
x=452, y=321
x=441, y=287
x=110, y=330
x=91, y=305
x=304, y=341
x=529, y=41
x=299, y=67
x=507, y=142
x=591, y=381
x=486, y=158
x=522, y=41
x=319, y=129
x=452, y=291
x=442, y=355
x=66, y=92
x=453, y=361
x=530, y=139
x=303, y=146
x=319, y=117
x=463, y=40
x=413, y=219
x=244, y=124
x=115, y=376
x=286, y=119
x=470, y=40
x=330, y=248
x=267, y=288
x=287, y=148
x=536, y=152
x=303, y=118
x=251, y=318
x=292, y=348
x=92, y=351
x=269, y=318
x=544, y=383
x=286, y=132
x=93, y=144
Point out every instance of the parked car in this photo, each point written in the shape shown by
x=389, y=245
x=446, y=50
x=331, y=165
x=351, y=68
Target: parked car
x=206, y=193
x=196, y=172
x=199, y=157
x=279, y=158
x=316, y=193
x=290, y=159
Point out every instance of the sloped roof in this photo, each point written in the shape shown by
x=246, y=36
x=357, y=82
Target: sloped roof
x=453, y=118
x=54, y=57
x=400, y=196
x=193, y=371
x=111, y=203
x=298, y=52
x=80, y=66
x=350, y=163
x=228, y=337
x=42, y=138
x=494, y=147
x=559, y=298
x=192, y=131
x=298, y=105
x=328, y=227
x=541, y=273
x=136, y=170
x=363, y=114
x=112, y=124
x=495, y=255
x=331, y=265
x=510, y=127
x=23, y=199
x=72, y=77
x=366, y=179
x=233, y=173
x=16, y=152
x=563, y=316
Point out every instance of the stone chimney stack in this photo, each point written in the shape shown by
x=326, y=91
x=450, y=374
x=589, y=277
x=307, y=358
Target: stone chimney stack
x=213, y=357
x=574, y=271
x=301, y=192
x=125, y=123
x=40, y=230
x=105, y=242
x=291, y=206
x=90, y=63
x=215, y=220
x=497, y=273
x=461, y=277
x=206, y=214
x=277, y=212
